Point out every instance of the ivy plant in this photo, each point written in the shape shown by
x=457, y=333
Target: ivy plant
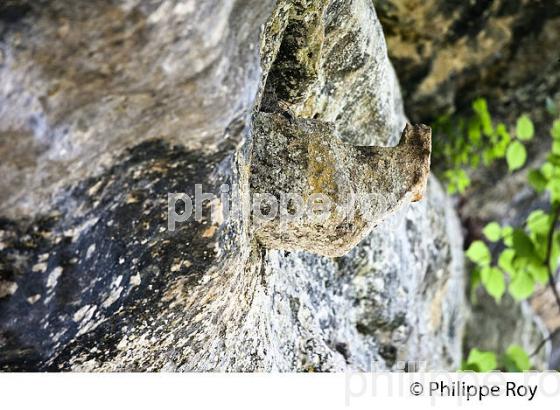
x=523, y=256
x=515, y=359
x=530, y=253
x=465, y=144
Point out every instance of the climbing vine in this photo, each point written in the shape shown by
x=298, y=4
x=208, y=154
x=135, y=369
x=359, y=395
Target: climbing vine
x=475, y=141
x=515, y=359
x=525, y=256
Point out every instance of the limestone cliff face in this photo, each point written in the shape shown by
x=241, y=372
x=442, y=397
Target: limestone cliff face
x=108, y=106
x=447, y=53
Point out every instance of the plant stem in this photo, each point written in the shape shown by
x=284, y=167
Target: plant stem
x=551, y=274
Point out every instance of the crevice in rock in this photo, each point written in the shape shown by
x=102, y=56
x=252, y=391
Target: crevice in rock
x=295, y=66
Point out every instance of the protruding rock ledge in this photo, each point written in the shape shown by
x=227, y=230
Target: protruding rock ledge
x=311, y=191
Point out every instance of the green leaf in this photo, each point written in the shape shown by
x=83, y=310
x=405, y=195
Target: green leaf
x=507, y=234
x=517, y=360
x=488, y=156
x=481, y=109
x=457, y=181
x=520, y=264
x=547, y=170
x=475, y=278
x=555, y=130
x=480, y=106
x=502, y=132
x=522, y=286
x=539, y=272
x=493, y=231
x=473, y=130
x=482, y=361
x=505, y=261
x=522, y=244
x=478, y=253
x=556, y=147
x=493, y=281
x=537, y=180
x=540, y=242
x=501, y=146
x=554, y=160
x=516, y=155
x=451, y=189
x=465, y=367
x=475, y=161
x=525, y=129
x=463, y=181
x=554, y=187
x=538, y=222
x=555, y=254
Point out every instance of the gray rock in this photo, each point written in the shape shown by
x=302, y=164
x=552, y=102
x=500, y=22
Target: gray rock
x=123, y=103
x=325, y=196
x=495, y=327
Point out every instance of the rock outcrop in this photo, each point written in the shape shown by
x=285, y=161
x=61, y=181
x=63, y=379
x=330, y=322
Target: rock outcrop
x=447, y=53
x=322, y=195
x=107, y=107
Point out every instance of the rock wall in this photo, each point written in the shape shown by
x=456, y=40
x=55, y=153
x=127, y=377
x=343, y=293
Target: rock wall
x=448, y=53
x=106, y=107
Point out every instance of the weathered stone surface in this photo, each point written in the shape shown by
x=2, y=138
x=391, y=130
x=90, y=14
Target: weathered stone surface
x=297, y=164
x=407, y=284
x=353, y=84
x=106, y=268
x=83, y=81
x=494, y=327
x=447, y=53
x=125, y=102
